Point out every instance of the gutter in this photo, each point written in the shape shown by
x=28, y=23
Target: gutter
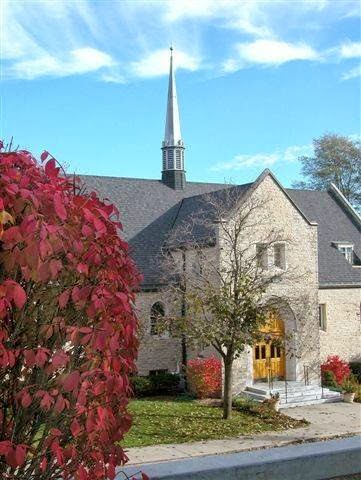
x=324, y=286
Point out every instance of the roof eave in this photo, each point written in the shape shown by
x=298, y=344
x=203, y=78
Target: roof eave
x=268, y=172
x=345, y=203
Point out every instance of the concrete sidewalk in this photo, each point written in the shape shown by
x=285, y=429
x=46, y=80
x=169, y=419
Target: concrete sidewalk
x=309, y=461
x=327, y=420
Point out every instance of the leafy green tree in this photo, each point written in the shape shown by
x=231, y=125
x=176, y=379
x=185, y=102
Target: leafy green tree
x=336, y=159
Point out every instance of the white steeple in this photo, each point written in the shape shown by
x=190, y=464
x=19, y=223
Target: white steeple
x=173, y=173
x=172, y=133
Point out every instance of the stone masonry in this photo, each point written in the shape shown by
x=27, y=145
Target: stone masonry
x=343, y=323
x=298, y=291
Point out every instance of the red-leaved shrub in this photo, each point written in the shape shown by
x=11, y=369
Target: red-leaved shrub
x=67, y=326
x=204, y=377
x=337, y=366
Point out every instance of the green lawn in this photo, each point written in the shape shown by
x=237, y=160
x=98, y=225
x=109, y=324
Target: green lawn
x=178, y=420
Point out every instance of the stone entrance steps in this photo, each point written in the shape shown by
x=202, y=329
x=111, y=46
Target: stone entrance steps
x=297, y=394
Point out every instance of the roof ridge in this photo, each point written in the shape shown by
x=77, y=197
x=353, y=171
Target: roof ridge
x=176, y=215
x=118, y=178
x=220, y=190
x=148, y=179
x=306, y=190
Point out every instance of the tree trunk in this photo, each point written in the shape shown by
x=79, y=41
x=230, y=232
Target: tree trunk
x=227, y=388
x=184, y=313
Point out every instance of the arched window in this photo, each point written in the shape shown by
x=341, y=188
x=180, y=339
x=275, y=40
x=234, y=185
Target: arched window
x=156, y=314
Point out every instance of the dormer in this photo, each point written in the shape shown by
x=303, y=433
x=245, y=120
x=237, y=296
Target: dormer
x=346, y=249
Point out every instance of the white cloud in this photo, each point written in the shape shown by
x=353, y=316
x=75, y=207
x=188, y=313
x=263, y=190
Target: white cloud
x=292, y=153
x=263, y=160
x=78, y=61
x=350, y=50
x=268, y=52
x=243, y=15
x=176, y=10
x=113, y=77
x=242, y=161
x=352, y=73
x=157, y=63
x=42, y=37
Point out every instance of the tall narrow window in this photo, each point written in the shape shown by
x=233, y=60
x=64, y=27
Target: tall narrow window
x=164, y=160
x=197, y=265
x=322, y=320
x=262, y=256
x=156, y=314
x=279, y=251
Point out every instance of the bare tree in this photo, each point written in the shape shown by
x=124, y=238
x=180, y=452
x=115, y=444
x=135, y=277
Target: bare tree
x=219, y=259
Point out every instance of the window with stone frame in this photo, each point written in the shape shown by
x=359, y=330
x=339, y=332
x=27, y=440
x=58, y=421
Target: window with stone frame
x=197, y=264
x=157, y=312
x=262, y=256
x=322, y=316
x=279, y=255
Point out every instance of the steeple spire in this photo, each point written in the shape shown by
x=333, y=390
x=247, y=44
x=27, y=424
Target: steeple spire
x=172, y=132
x=173, y=173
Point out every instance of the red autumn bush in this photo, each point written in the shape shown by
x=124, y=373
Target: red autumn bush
x=337, y=366
x=204, y=377
x=67, y=326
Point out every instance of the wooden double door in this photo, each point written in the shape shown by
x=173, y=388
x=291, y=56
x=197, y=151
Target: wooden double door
x=268, y=354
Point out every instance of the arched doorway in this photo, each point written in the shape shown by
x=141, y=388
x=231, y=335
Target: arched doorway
x=268, y=353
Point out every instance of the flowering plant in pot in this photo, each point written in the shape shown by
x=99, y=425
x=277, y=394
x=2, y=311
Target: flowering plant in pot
x=349, y=388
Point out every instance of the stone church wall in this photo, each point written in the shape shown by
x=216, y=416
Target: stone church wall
x=343, y=323
x=155, y=352
x=296, y=291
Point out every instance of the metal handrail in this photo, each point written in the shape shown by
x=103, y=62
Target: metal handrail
x=270, y=378
x=306, y=374
x=307, y=369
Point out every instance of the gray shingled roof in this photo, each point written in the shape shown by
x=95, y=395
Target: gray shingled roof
x=149, y=209
x=189, y=224
x=334, y=225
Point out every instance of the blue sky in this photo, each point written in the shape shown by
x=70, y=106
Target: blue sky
x=257, y=81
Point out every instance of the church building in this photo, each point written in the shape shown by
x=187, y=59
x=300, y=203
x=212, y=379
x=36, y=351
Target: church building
x=322, y=239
